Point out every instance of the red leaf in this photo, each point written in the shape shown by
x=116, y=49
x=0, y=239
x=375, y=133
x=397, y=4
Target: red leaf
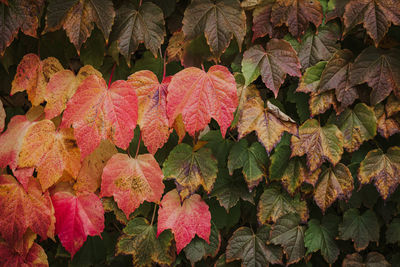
x=132, y=181
x=98, y=113
x=186, y=219
x=200, y=96
x=76, y=218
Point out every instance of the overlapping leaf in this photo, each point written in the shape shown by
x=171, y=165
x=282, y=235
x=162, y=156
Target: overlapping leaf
x=387, y=126
x=373, y=259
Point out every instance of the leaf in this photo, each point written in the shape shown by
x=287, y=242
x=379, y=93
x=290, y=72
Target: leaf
x=393, y=232
x=273, y=63
x=335, y=183
x=179, y=217
x=132, y=180
x=375, y=15
x=97, y=113
x=219, y=20
x=219, y=146
x=296, y=173
x=380, y=69
x=33, y=75
x=296, y=15
x=2, y=117
x=229, y=189
x=94, y=50
x=290, y=235
x=321, y=236
x=252, y=159
x=387, y=126
x=381, y=168
x=135, y=25
x=357, y=125
x=77, y=18
x=20, y=210
x=152, y=113
x=274, y=204
x=200, y=96
x=262, y=25
x=198, y=249
x=319, y=143
x=361, y=229
x=251, y=248
x=62, y=86
x=319, y=103
x=77, y=216
x=309, y=82
x=139, y=240
x=269, y=123
x=374, y=259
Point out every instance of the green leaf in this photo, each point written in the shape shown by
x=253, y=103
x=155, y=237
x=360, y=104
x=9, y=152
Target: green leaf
x=92, y=52
x=251, y=248
x=309, y=82
x=301, y=101
x=321, y=236
x=393, y=231
x=221, y=217
x=149, y=62
x=360, y=228
x=252, y=159
x=279, y=158
x=219, y=146
x=290, y=235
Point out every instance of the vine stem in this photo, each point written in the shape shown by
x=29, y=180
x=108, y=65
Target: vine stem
x=165, y=64
x=140, y=3
x=138, y=145
x=154, y=214
x=111, y=75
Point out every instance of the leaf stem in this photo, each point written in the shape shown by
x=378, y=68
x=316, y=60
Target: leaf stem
x=138, y=145
x=111, y=75
x=202, y=67
x=154, y=214
x=140, y=3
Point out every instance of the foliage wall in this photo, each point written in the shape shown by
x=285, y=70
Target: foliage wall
x=202, y=132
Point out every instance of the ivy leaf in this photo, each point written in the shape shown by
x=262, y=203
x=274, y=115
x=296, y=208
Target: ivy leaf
x=357, y=125
x=252, y=159
x=21, y=209
x=200, y=96
x=393, y=232
x=251, y=248
x=360, y=228
x=374, y=259
x=273, y=63
x=296, y=14
x=33, y=75
x=375, y=15
x=152, y=113
x=97, y=113
x=290, y=235
x=229, y=189
x=198, y=249
x=2, y=117
x=139, y=240
x=135, y=25
x=269, y=123
x=77, y=18
x=372, y=61
x=382, y=169
x=191, y=169
x=62, y=86
x=387, y=126
x=132, y=180
x=219, y=20
x=335, y=183
x=319, y=143
x=274, y=204
x=180, y=217
x=76, y=218
x=321, y=236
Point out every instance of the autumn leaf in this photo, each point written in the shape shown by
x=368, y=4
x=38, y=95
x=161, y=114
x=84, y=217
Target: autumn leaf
x=191, y=169
x=262, y=25
x=290, y=235
x=360, y=228
x=132, y=180
x=77, y=216
x=77, y=18
x=139, y=24
x=179, y=217
x=20, y=210
x=200, y=96
x=97, y=113
x=375, y=15
x=296, y=15
x=381, y=168
x=318, y=143
x=33, y=75
x=251, y=248
x=152, y=108
x=62, y=86
x=273, y=63
x=269, y=123
x=219, y=20
x=139, y=240
x=335, y=183
x=373, y=259
x=372, y=61
x=274, y=204
x=387, y=126
x=2, y=117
